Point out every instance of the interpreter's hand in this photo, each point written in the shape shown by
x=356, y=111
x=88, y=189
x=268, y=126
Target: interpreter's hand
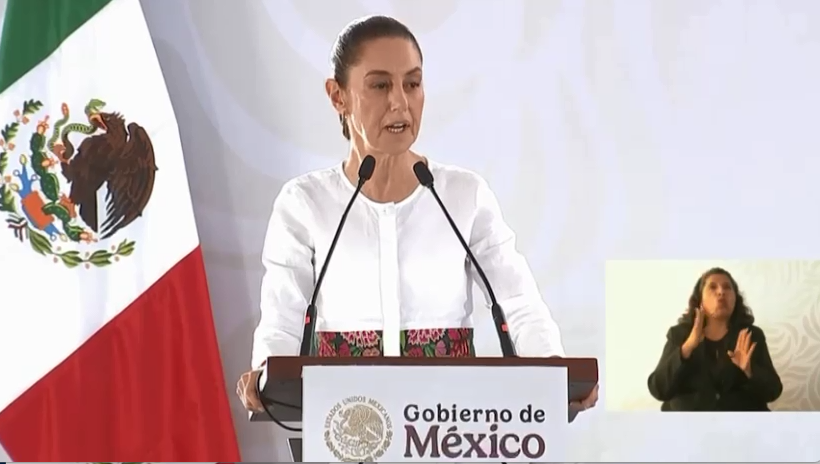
x=695, y=336
x=586, y=403
x=742, y=354
x=246, y=391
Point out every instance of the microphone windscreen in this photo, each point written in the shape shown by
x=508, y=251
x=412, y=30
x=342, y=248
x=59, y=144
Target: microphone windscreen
x=366, y=168
x=423, y=174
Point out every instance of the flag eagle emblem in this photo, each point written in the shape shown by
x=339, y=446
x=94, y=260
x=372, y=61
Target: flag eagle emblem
x=49, y=189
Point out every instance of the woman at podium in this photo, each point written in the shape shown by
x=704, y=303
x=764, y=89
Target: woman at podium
x=398, y=282
x=715, y=358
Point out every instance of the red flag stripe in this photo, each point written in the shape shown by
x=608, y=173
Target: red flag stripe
x=148, y=386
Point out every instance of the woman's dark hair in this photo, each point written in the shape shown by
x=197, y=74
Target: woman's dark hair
x=347, y=49
x=742, y=314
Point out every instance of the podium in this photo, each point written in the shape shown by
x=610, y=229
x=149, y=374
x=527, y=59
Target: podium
x=487, y=385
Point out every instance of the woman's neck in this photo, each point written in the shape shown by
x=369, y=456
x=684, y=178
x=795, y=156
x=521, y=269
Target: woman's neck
x=715, y=329
x=393, y=179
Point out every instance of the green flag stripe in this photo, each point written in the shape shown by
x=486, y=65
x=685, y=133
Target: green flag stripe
x=34, y=29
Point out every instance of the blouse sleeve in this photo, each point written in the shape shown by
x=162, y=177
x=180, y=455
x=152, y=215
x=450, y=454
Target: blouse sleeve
x=532, y=328
x=287, y=257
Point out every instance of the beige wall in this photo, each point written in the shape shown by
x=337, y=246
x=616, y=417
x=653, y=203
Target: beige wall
x=645, y=298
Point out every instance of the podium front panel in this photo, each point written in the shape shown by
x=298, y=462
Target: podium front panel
x=434, y=414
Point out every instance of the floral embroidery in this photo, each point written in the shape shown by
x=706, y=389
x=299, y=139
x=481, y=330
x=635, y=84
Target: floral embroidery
x=428, y=343
x=423, y=336
x=419, y=343
x=347, y=344
x=364, y=339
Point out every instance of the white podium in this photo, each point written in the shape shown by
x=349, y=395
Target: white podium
x=434, y=414
x=427, y=409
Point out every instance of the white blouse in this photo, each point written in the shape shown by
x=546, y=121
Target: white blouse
x=397, y=266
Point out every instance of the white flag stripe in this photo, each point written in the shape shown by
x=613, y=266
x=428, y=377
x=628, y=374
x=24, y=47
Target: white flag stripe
x=49, y=310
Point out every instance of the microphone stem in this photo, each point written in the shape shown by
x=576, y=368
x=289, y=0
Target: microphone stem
x=310, y=317
x=507, y=348
x=334, y=242
x=466, y=247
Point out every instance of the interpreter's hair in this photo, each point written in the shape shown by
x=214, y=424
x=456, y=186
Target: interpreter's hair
x=348, y=45
x=742, y=314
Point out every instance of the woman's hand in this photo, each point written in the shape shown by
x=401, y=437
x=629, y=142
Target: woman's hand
x=586, y=403
x=742, y=354
x=246, y=391
x=695, y=336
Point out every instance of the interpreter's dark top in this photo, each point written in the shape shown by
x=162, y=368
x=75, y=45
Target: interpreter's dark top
x=709, y=380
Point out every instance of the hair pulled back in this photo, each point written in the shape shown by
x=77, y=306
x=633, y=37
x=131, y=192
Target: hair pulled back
x=348, y=45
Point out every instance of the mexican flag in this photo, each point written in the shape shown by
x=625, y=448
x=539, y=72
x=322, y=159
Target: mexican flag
x=107, y=341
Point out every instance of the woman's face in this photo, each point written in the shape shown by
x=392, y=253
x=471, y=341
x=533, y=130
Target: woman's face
x=384, y=98
x=718, y=297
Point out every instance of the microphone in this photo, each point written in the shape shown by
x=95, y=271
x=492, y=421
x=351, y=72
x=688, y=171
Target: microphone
x=425, y=178
x=365, y=172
